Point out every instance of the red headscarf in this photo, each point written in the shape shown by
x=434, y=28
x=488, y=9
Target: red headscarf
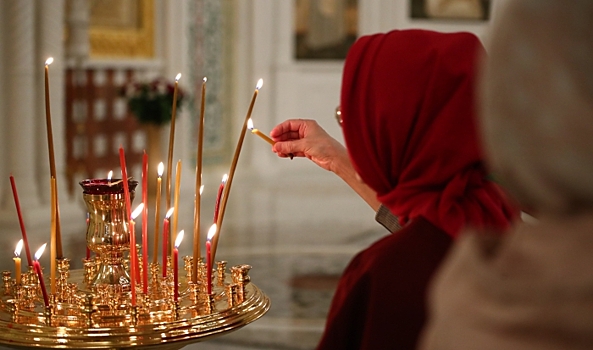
x=409, y=123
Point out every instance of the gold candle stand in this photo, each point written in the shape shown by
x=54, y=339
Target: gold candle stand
x=93, y=307
x=102, y=316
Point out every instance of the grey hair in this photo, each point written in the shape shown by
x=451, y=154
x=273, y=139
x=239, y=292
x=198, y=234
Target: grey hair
x=537, y=104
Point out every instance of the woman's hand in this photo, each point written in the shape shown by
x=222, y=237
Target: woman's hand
x=305, y=138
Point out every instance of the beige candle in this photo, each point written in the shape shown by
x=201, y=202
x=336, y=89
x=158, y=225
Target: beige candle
x=198, y=195
x=227, y=188
x=17, y=262
x=157, y=212
x=176, y=205
x=171, y=143
x=259, y=133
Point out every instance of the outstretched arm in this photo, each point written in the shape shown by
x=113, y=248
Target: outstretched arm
x=305, y=138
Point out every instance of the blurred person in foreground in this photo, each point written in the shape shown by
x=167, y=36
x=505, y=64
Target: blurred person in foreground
x=533, y=288
x=407, y=109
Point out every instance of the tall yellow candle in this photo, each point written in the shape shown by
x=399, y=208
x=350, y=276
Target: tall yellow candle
x=52, y=159
x=198, y=195
x=176, y=205
x=17, y=262
x=171, y=144
x=50, y=139
x=53, y=238
x=157, y=211
x=227, y=188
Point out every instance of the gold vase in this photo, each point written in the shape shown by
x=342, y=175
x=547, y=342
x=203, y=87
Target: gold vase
x=107, y=232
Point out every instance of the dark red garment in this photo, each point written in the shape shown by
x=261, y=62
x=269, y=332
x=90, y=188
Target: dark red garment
x=409, y=125
x=408, y=120
x=380, y=300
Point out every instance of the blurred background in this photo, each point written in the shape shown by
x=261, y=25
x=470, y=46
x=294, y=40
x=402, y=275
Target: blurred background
x=296, y=224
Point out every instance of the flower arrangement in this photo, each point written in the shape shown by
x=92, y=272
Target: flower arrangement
x=152, y=102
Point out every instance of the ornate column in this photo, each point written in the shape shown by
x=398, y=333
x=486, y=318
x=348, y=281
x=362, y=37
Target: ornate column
x=21, y=101
x=78, y=45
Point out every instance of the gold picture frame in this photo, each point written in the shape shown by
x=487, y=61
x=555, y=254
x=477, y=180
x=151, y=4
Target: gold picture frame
x=122, y=29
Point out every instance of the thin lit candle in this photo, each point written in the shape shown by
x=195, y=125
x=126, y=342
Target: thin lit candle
x=52, y=257
x=145, y=223
x=52, y=159
x=176, y=205
x=166, y=225
x=198, y=195
x=209, y=261
x=259, y=133
x=157, y=212
x=171, y=143
x=219, y=196
x=21, y=221
x=17, y=261
x=39, y=272
x=227, y=189
x=133, y=257
x=175, y=265
x=50, y=139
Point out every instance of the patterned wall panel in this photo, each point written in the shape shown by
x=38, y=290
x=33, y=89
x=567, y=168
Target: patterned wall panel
x=207, y=36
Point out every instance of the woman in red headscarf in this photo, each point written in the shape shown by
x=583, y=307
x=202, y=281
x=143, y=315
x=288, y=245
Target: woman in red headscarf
x=407, y=106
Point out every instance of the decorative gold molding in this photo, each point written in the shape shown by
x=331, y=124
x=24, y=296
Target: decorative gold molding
x=127, y=41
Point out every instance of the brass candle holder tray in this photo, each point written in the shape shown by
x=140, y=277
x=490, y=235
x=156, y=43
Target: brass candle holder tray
x=84, y=315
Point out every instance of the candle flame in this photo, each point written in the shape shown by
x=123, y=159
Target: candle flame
x=260, y=83
x=250, y=124
x=177, y=77
x=19, y=247
x=201, y=189
x=109, y=175
x=205, y=79
x=137, y=211
x=49, y=61
x=40, y=251
x=179, y=238
x=225, y=177
x=160, y=169
x=211, y=231
x=169, y=213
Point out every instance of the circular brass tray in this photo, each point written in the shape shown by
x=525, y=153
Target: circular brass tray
x=156, y=326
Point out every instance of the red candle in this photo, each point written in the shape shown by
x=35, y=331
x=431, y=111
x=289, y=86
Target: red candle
x=21, y=221
x=37, y=268
x=211, y=234
x=145, y=223
x=132, y=262
x=166, y=239
x=133, y=255
x=175, y=265
x=219, y=195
